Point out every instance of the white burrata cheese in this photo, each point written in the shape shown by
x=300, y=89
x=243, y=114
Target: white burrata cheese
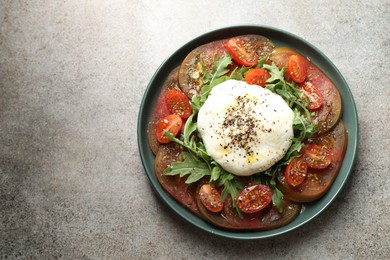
x=245, y=128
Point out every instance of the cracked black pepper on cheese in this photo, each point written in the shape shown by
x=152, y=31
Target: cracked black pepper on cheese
x=245, y=128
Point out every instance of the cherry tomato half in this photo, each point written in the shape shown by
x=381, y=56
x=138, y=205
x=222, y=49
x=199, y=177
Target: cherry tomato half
x=254, y=198
x=296, y=68
x=257, y=76
x=242, y=51
x=171, y=123
x=317, y=157
x=312, y=92
x=210, y=198
x=178, y=103
x=296, y=172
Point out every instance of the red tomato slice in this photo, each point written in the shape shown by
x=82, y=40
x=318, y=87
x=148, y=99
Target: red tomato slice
x=242, y=51
x=296, y=68
x=178, y=103
x=254, y=198
x=314, y=95
x=296, y=172
x=317, y=157
x=171, y=123
x=210, y=198
x=175, y=185
x=257, y=76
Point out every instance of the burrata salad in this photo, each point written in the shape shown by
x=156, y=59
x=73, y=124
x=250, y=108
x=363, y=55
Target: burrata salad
x=245, y=133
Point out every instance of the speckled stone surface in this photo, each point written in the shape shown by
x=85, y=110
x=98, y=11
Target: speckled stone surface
x=72, y=76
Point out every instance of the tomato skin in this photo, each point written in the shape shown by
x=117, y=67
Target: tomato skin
x=210, y=198
x=257, y=76
x=254, y=198
x=296, y=172
x=296, y=69
x=171, y=123
x=317, y=157
x=178, y=103
x=311, y=91
x=242, y=51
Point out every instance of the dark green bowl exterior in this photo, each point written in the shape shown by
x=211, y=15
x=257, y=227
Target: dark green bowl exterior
x=281, y=39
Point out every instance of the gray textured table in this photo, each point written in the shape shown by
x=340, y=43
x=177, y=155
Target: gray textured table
x=72, y=76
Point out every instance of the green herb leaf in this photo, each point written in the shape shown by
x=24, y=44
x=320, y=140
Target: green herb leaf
x=191, y=166
x=230, y=187
x=190, y=140
x=219, y=68
x=215, y=172
x=277, y=198
x=276, y=74
x=261, y=62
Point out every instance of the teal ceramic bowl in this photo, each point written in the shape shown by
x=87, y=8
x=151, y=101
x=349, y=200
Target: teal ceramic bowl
x=280, y=38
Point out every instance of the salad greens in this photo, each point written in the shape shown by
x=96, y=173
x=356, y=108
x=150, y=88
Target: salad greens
x=198, y=164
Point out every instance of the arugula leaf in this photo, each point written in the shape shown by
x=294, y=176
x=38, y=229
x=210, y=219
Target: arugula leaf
x=277, y=196
x=196, y=169
x=261, y=62
x=190, y=143
x=215, y=172
x=276, y=74
x=219, y=69
x=230, y=187
x=207, y=88
x=195, y=104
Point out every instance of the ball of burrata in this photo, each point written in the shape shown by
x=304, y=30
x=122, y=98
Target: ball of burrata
x=245, y=128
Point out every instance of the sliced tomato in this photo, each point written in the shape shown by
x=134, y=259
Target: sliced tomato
x=317, y=157
x=254, y=198
x=171, y=123
x=161, y=110
x=175, y=186
x=242, y=51
x=318, y=181
x=257, y=76
x=312, y=93
x=265, y=219
x=296, y=172
x=296, y=68
x=210, y=198
x=178, y=103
